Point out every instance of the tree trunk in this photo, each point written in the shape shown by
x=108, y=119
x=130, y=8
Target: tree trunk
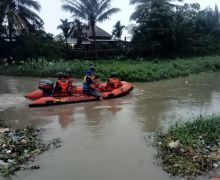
x=94, y=42
x=10, y=33
x=66, y=47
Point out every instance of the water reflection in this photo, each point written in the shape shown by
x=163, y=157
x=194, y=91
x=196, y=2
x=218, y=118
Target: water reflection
x=64, y=115
x=106, y=138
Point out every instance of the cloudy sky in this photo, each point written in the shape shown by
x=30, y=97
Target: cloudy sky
x=51, y=13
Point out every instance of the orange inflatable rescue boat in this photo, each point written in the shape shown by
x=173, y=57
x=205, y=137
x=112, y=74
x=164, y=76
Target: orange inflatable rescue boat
x=42, y=97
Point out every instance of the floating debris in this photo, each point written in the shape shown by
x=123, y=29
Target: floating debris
x=18, y=147
x=174, y=144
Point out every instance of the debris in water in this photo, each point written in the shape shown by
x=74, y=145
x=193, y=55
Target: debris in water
x=174, y=144
x=18, y=147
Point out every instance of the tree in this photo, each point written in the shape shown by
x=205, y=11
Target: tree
x=92, y=11
x=166, y=29
x=208, y=20
x=146, y=6
x=184, y=29
x=154, y=34
x=117, y=30
x=19, y=16
x=77, y=31
x=65, y=26
x=38, y=44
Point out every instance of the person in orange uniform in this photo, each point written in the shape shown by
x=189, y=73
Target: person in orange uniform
x=69, y=77
x=61, y=86
x=113, y=82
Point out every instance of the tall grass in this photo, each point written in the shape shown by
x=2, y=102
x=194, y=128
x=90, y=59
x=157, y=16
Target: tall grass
x=191, y=132
x=129, y=70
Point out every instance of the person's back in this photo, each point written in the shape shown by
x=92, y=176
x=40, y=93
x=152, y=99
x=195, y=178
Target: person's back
x=69, y=77
x=61, y=86
x=57, y=88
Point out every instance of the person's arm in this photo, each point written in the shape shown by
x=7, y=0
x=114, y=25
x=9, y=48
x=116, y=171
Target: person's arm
x=107, y=84
x=71, y=79
x=55, y=89
x=119, y=84
x=111, y=84
x=93, y=86
x=91, y=83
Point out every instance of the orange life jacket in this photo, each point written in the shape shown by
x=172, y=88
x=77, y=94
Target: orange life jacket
x=113, y=83
x=64, y=85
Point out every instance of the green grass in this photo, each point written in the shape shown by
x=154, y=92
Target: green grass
x=129, y=70
x=198, y=150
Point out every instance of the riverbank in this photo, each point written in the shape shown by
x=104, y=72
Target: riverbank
x=129, y=70
x=191, y=148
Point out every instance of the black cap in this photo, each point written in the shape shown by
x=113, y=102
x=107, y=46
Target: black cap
x=60, y=75
x=68, y=70
x=114, y=74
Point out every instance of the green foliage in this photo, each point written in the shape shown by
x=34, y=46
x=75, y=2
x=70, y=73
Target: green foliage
x=189, y=132
x=167, y=30
x=36, y=45
x=19, y=16
x=155, y=32
x=21, y=34
x=77, y=32
x=65, y=26
x=128, y=70
x=117, y=30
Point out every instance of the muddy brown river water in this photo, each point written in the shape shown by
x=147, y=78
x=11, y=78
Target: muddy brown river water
x=107, y=140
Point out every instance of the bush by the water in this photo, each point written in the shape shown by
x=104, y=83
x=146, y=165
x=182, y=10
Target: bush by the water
x=191, y=148
x=139, y=70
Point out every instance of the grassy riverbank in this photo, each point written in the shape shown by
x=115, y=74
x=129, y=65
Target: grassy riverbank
x=129, y=70
x=191, y=148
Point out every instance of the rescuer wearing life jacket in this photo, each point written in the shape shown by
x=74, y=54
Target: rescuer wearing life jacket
x=69, y=77
x=89, y=86
x=92, y=69
x=113, y=82
x=61, y=86
x=94, y=76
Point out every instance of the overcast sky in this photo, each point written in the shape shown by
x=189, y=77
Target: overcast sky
x=51, y=13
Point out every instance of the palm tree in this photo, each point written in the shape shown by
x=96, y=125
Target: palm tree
x=118, y=29
x=77, y=31
x=65, y=26
x=19, y=15
x=92, y=11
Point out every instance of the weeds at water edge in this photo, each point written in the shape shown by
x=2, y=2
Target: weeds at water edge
x=191, y=148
